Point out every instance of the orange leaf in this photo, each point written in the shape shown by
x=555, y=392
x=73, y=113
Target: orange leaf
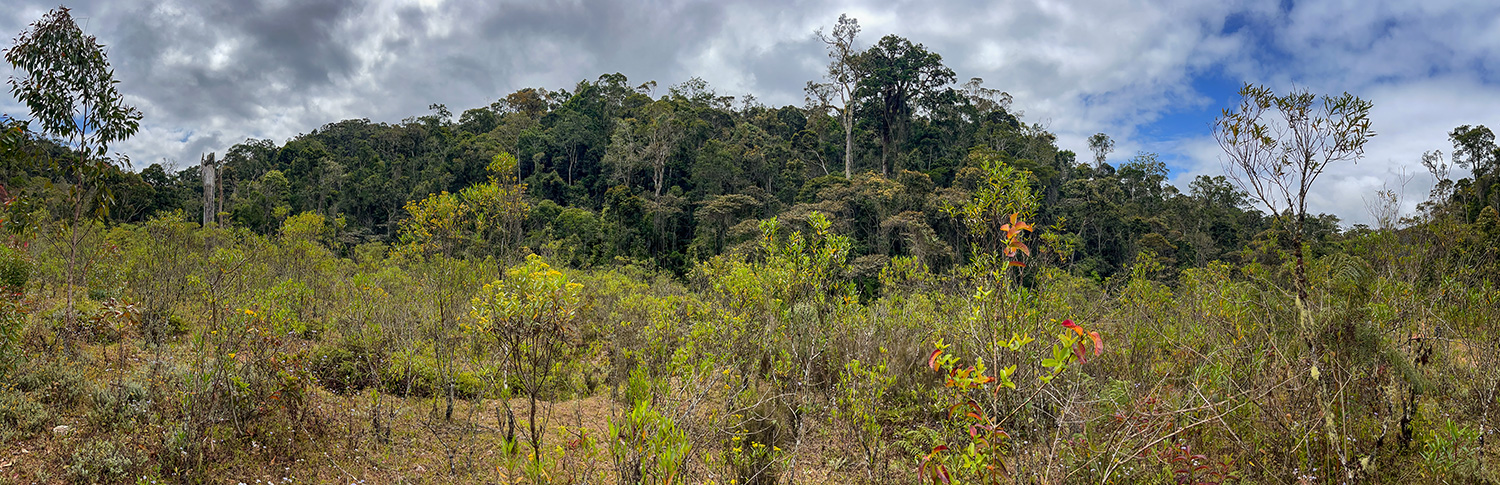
x=1018, y=226
x=1018, y=263
x=1098, y=342
x=1073, y=326
x=932, y=359
x=954, y=409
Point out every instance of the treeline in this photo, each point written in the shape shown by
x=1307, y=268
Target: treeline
x=614, y=172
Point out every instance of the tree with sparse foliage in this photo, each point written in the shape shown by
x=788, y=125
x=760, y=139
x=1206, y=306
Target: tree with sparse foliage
x=69, y=87
x=843, y=77
x=1101, y=145
x=1277, y=146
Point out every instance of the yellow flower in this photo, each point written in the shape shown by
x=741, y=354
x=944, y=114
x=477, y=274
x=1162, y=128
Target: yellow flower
x=231, y=355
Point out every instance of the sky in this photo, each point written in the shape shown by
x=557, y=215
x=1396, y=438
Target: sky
x=208, y=74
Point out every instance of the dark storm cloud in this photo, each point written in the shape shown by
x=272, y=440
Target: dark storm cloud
x=208, y=74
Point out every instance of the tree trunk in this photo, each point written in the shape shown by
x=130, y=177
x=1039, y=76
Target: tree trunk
x=848, y=142
x=659, y=172
x=572, y=160
x=1301, y=269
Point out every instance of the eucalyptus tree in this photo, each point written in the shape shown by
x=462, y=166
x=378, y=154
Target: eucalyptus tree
x=646, y=141
x=1101, y=145
x=843, y=78
x=67, y=84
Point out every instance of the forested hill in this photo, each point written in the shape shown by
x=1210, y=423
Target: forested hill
x=613, y=173
x=619, y=172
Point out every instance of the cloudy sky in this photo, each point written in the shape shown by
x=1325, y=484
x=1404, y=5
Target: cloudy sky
x=210, y=73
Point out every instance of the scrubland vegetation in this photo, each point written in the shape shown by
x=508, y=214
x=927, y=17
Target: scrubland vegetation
x=672, y=291
x=222, y=354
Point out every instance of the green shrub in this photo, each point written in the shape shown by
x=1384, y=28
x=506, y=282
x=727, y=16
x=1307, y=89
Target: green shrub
x=60, y=384
x=343, y=367
x=102, y=462
x=648, y=444
x=15, y=270
x=159, y=326
x=21, y=415
x=121, y=408
x=418, y=374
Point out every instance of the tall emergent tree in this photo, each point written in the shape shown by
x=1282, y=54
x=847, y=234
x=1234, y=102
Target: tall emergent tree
x=70, y=89
x=897, y=78
x=1277, y=146
x=1101, y=145
x=843, y=77
x=1474, y=149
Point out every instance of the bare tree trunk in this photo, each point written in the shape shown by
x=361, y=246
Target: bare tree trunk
x=206, y=172
x=659, y=171
x=848, y=141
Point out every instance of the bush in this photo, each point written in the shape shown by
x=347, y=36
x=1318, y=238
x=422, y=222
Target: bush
x=119, y=409
x=60, y=385
x=417, y=373
x=159, y=326
x=343, y=367
x=21, y=415
x=102, y=462
x=15, y=270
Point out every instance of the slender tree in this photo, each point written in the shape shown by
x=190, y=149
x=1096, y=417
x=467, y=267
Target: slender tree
x=1277, y=145
x=1101, y=145
x=842, y=79
x=69, y=87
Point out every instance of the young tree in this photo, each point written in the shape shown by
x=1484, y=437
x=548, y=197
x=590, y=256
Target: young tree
x=530, y=313
x=843, y=78
x=70, y=89
x=1277, y=146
